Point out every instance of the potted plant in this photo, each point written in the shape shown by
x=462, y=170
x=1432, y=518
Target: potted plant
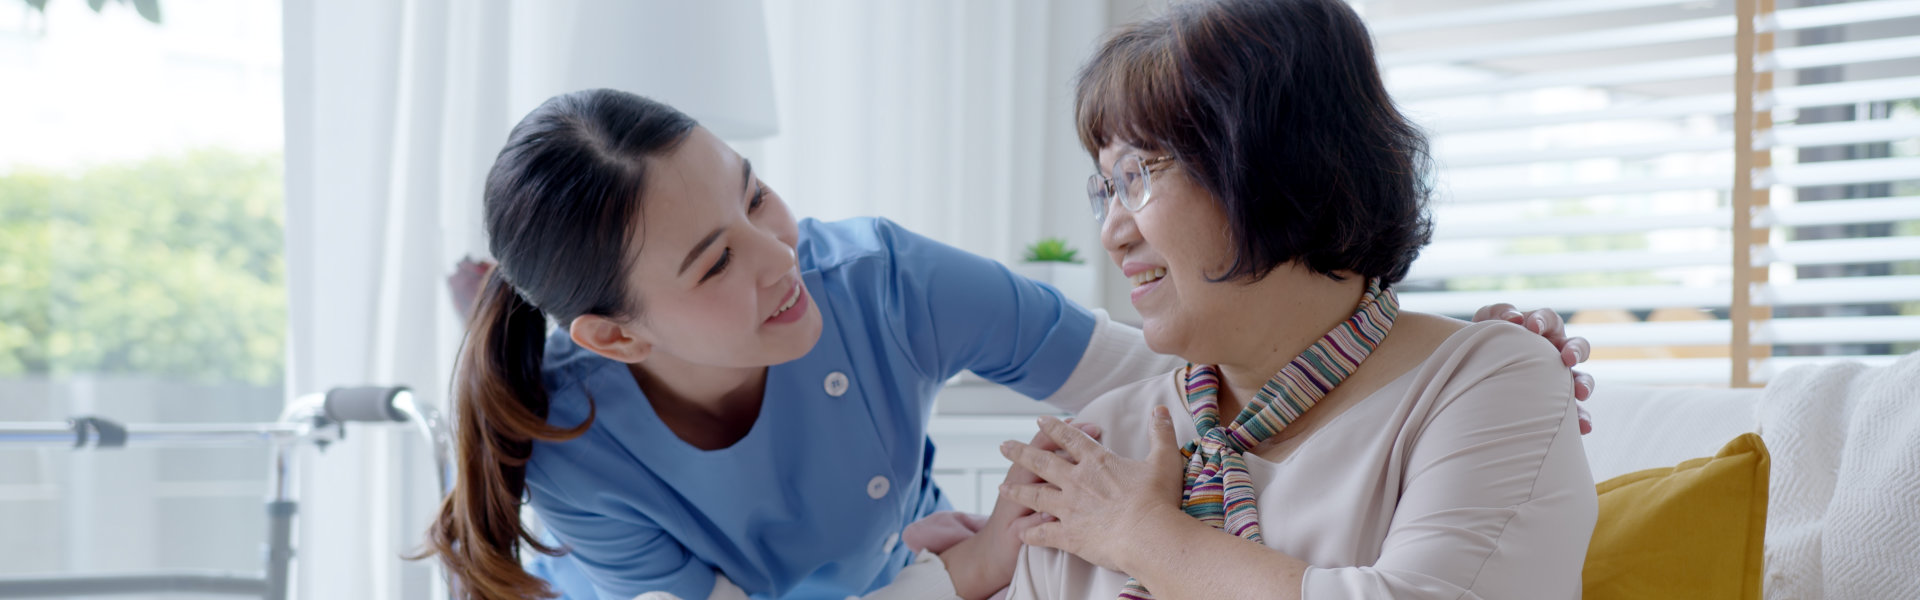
x=1053, y=262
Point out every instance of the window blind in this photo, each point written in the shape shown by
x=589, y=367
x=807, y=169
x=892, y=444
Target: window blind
x=1593, y=157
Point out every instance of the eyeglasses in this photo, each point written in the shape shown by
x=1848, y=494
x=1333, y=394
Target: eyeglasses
x=1135, y=187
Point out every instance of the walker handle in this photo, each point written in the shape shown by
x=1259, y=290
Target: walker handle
x=365, y=404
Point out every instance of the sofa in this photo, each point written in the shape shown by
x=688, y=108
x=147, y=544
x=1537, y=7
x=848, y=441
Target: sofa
x=1638, y=427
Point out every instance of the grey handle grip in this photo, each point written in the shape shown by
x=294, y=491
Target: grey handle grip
x=365, y=404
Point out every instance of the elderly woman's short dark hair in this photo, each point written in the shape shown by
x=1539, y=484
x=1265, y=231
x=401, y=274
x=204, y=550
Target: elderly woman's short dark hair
x=1276, y=108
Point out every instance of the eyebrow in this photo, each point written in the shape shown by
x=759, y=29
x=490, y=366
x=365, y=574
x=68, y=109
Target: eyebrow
x=746, y=179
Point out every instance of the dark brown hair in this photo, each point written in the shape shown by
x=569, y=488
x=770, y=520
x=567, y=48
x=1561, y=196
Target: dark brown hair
x=561, y=200
x=1276, y=108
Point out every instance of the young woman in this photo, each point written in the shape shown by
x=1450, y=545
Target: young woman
x=733, y=403
x=1325, y=444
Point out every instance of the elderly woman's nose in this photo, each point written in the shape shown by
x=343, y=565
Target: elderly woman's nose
x=1118, y=232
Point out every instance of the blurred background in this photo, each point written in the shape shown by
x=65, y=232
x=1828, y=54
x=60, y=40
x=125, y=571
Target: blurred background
x=210, y=206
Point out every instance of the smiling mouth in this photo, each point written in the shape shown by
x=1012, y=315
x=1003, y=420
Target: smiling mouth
x=793, y=297
x=1148, y=276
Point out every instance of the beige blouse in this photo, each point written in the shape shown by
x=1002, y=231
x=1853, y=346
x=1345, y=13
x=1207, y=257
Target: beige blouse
x=1463, y=478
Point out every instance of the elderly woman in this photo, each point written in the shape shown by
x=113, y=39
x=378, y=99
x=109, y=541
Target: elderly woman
x=1264, y=195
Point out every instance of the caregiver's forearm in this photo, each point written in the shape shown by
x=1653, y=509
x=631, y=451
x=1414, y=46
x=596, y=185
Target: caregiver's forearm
x=1190, y=559
x=925, y=579
x=1116, y=355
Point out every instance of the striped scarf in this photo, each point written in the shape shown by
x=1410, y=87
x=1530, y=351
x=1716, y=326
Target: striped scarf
x=1218, y=490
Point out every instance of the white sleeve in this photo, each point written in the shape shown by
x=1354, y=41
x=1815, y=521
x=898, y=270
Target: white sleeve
x=925, y=579
x=1116, y=355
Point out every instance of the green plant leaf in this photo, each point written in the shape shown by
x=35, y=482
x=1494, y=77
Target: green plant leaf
x=39, y=5
x=1052, y=250
x=149, y=10
x=96, y=5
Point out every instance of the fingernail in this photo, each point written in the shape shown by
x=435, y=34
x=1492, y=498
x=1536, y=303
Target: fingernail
x=1006, y=447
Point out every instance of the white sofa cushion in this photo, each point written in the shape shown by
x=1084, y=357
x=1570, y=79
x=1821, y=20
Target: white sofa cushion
x=1638, y=427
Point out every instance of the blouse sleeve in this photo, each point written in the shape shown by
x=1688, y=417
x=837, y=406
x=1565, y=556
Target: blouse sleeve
x=1497, y=498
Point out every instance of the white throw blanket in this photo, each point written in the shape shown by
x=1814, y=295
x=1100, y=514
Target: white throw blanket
x=1844, y=505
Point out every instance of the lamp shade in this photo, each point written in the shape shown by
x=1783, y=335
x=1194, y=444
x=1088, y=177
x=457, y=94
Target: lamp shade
x=708, y=58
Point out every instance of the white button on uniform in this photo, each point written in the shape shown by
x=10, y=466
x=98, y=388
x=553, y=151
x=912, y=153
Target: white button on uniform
x=836, y=384
x=877, y=487
x=892, y=540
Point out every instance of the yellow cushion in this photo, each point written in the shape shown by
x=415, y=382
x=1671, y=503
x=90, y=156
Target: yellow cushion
x=1691, y=531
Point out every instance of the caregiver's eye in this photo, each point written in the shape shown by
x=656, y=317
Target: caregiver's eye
x=719, y=266
x=759, y=197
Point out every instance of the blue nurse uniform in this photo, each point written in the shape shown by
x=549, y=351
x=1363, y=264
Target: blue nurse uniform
x=811, y=503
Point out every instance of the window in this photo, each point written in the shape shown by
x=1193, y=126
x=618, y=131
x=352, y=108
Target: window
x=1586, y=155
x=141, y=277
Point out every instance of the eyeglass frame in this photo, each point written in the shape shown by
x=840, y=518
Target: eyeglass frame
x=1099, y=205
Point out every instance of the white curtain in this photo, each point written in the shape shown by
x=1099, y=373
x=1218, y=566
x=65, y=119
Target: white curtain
x=394, y=112
x=953, y=118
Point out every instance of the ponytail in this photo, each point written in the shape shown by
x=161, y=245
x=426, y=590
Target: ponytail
x=561, y=203
x=501, y=409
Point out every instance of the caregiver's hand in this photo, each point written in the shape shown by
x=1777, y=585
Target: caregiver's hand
x=1104, y=505
x=465, y=282
x=1573, y=350
x=983, y=563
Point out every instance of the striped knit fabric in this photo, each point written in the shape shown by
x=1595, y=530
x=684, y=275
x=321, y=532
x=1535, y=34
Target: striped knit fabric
x=1218, y=490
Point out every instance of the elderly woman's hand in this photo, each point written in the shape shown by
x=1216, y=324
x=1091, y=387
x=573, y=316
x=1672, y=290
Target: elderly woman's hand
x=982, y=564
x=1573, y=350
x=1104, y=505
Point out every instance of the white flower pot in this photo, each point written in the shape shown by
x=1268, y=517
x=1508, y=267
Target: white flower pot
x=1074, y=280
